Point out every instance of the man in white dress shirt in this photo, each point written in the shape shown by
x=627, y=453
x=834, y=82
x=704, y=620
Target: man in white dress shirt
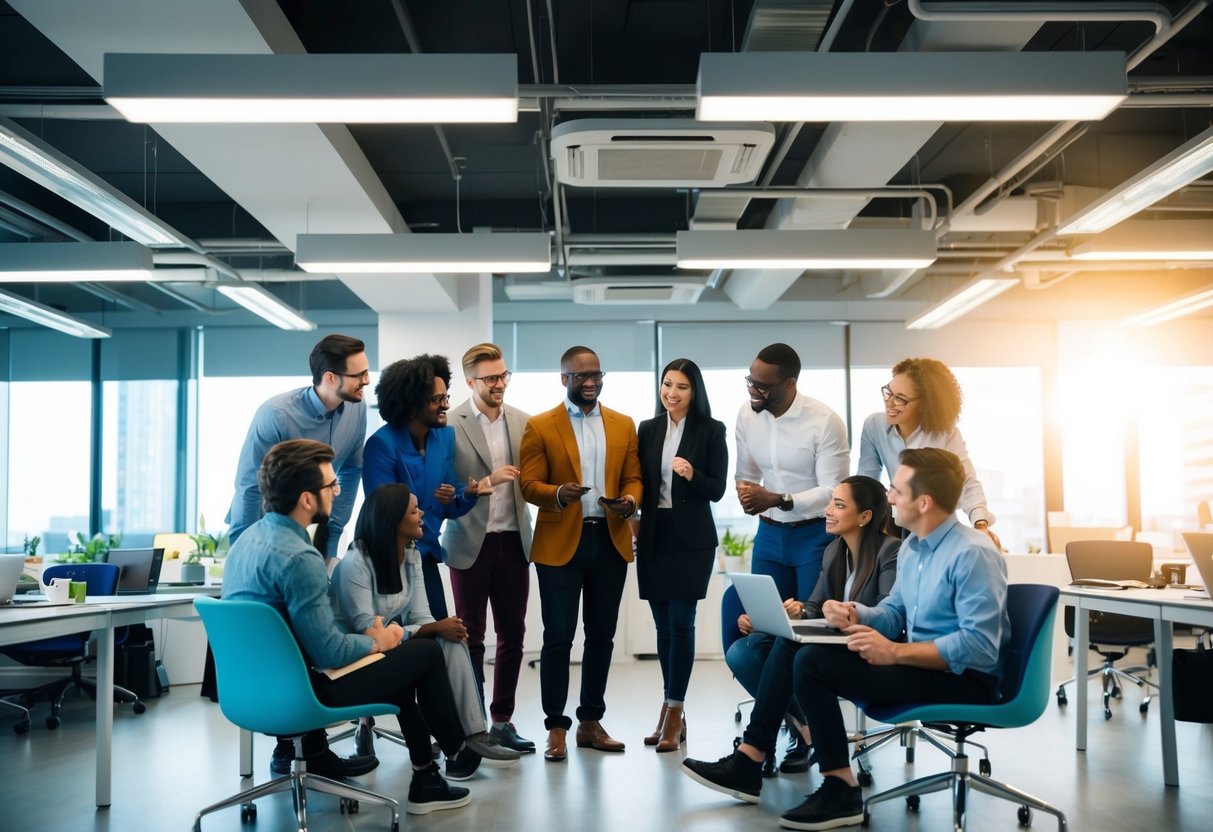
x=489, y=548
x=791, y=452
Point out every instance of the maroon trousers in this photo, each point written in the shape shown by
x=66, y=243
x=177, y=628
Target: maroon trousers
x=501, y=577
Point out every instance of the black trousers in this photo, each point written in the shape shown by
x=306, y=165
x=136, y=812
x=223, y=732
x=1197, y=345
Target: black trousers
x=596, y=571
x=818, y=674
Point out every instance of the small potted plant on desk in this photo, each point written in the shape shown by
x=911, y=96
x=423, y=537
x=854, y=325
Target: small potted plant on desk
x=93, y=549
x=734, y=549
x=206, y=545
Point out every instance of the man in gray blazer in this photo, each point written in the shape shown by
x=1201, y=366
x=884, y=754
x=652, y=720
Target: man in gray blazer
x=489, y=548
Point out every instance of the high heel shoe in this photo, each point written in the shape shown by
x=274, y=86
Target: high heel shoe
x=674, y=731
x=653, y=738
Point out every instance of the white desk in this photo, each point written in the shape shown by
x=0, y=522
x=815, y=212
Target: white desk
x=100, y=615
x=1164, y=607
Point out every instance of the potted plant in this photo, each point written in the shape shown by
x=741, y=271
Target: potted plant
x=90, y=549
x=734, y=549
x=206, y=545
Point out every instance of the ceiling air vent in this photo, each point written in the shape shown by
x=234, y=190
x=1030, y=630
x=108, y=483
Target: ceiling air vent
x=633, y=292
x=651, y=153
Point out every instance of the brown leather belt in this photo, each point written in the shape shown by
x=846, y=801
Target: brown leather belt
x=791, y=524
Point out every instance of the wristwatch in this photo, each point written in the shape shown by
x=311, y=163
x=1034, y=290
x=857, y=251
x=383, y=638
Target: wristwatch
x=785, y=502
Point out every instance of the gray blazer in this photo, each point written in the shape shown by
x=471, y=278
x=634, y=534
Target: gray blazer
x=463, y=536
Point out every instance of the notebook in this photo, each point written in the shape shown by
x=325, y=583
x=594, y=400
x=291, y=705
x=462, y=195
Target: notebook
x=139, y=569
x=760, y=598
x=1200, y=544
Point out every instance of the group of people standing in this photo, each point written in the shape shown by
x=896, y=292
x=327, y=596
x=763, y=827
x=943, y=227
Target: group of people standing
x=453, y=487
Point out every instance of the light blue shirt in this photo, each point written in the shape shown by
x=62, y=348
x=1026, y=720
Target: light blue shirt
x=590, y=433
x=951, y=589
x=880, y=446
x=357, y=599
x=299, y=414
x=275, y=563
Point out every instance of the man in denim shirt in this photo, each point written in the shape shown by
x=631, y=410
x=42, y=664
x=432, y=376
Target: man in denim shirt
x=275, y=563
x=950, y=601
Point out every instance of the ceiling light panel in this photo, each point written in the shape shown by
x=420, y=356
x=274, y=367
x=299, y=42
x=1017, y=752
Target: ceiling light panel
x=1150, y=240
x=910, y=86
x=1177, y=308
x=69, y=262
x=961, y=302
x=48, y=317
x=303, y=88
x=266, y=305
x=849, y=249
x=424, y=253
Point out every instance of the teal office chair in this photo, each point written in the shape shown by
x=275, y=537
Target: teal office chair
x=264, y=687
x=70, y=651
x=1025, y=691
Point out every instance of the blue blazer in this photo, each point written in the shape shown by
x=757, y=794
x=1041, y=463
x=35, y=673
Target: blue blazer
x=387, y=458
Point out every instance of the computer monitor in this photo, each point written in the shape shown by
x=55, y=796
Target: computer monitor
x=140, y=569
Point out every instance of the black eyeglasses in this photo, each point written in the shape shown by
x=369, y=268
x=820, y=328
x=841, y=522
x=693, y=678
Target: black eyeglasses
x=365, y=375
x=335, y=485
x=440, y=400
x=581, y=378
x=895, y=398
x=493, y=381
x=763, y=390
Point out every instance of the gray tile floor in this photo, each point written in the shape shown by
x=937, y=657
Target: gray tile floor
x=181, y=755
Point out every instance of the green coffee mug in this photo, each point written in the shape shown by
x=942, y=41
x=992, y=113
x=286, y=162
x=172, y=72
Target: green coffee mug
x=77, y=591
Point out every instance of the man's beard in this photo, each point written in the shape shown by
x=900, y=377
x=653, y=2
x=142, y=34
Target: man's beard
x=321, y=539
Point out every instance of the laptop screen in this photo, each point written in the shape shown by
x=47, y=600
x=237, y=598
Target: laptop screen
x=140, y=569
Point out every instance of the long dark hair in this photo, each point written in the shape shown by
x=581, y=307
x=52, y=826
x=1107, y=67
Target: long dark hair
x=868, y=495
x=376, y=529
x=701, y=408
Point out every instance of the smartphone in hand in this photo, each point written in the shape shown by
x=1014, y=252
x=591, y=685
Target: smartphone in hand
x=613, y=502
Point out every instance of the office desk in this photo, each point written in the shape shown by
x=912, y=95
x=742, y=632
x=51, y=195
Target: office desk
x=1165, y=607
x=100, y=615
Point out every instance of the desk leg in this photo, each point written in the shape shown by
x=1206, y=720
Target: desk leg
x=1082, y=647
x=246, y=753
x=1163, y=648
x=105, y=711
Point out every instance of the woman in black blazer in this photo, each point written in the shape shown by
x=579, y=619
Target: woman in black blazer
x=683, y=464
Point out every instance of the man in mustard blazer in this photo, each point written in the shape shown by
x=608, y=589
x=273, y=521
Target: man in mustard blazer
x=580, y=467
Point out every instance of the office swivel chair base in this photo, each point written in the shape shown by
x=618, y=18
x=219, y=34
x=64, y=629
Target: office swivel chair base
x=297, y=783
x=55, y=692
x=22, y=725
x=907, y=735
x=961, y=781
x=1112, y=689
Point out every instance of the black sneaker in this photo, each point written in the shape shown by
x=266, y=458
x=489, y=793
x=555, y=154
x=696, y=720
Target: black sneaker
x=798, y=757
x=507, y=735
x=463, y=765
x=430, y=793
x=735, y=775
x=326, y=763
x=834, y=804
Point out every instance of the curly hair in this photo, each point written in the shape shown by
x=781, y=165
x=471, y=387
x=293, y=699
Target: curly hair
x=939, y=395
x=405, y=386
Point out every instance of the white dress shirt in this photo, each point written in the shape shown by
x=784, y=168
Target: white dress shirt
x=803, y=453
x=669, y=450
x=502, y=517
x=590, y=432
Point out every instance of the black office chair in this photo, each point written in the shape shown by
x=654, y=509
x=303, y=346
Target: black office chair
x=70, y=651
x=1111, y=634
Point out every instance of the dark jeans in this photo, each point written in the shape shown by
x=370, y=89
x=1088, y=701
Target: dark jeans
x=792, y=556
x=433, y=588
x=598, y=571
x=413, y=678
x=501, y=577
x=675, y=622
x=820, y=673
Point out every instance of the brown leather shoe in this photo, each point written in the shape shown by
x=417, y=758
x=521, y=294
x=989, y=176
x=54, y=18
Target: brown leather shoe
x=590, y=734
x=556, y=745
x=674, y=731
x=652, y=738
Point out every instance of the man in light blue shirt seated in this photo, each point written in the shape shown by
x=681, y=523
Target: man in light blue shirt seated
x=949, y=600
x=275, y=563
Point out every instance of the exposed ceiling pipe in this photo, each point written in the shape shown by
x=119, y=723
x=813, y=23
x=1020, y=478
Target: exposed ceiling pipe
x=112, y=296
x=410, y=36
x=44, y=218
x=1010, y=12
x=182, y=299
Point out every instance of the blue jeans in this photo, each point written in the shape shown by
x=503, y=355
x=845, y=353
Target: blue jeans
x=675, y=622
x=792, y=556
x=746, y=656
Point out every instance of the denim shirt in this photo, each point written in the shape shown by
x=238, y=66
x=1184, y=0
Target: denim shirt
x=951, y=589
x=275, y=563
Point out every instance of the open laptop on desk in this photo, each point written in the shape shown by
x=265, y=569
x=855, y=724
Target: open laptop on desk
x=1200, y=544
x=760, y=598
x=139, y=569
x=10, y=574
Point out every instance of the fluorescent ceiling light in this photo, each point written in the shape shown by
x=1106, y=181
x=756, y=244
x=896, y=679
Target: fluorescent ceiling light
x=860, y=248
x=909, y=86
x=35, y=159
x=430, y=89
x=53, y=318
x=1183, y=165
x=961, y=302
x=424, y=253
x=1174, y=309
x=73, y=262
x=265, y=304
x=1150, y=240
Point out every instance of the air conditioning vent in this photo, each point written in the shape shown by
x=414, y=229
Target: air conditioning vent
x=632, y=292
x=651, y=153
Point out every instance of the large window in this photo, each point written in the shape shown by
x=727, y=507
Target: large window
x=139, y=458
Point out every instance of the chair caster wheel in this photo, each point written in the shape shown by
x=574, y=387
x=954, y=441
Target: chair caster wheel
x=1116, y=693
x=1107, y=714
x=139, y=707
x=913, y=802
x=52, y=722
x=21, y=727
x=1025, y=816
x=910, y=754
x=864, y=778
x=1062, y=700
x=737, y=716
x=348, y=806
x=248, y=813
x=983, y=767
x=867, y=818
x=1144, y=707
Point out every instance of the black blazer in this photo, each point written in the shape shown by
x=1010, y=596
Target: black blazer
x=703, y=446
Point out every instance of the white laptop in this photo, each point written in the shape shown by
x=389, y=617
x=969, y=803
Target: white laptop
x=760, y=598
x=10, y=574
x=1200, y=544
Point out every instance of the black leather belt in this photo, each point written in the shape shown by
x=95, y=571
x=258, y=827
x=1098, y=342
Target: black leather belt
x=791, y=524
